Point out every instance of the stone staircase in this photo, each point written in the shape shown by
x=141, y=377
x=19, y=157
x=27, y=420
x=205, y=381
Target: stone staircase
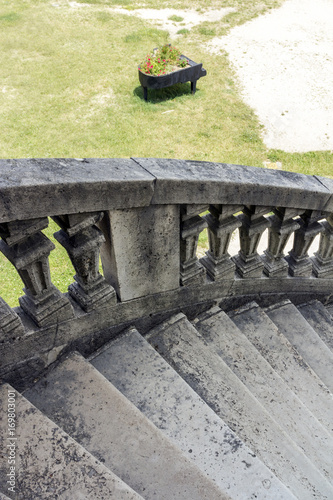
x=233, y=405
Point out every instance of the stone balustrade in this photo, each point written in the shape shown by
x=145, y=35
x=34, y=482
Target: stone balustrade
x=144, y=217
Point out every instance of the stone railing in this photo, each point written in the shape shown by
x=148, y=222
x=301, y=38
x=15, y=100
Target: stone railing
x=142, y=216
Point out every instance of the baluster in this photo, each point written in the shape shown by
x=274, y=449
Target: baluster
x=282, y=226
x=28, y=249
x=82, y=240
x=221, y=224
x=10, y=324
x=323, y=259
x=299, y=262
x=248, y=262
x=191, y=271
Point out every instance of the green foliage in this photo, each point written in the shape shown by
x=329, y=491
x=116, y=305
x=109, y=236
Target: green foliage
x=163, y=60
x=183, y=31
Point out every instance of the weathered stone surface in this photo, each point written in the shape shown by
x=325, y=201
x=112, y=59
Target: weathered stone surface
x=319, y=318
x=268, y=387
x=10, y=324
x=328, y=183
x=286, y=361
x=178, y=341
x=66, y=186
x=180, y=181
x=146, y=379
x=50, y=464
x=315, y=352
x=91, y=410
x=141, y=254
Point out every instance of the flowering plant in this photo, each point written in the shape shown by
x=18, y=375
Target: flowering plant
x=163, y=60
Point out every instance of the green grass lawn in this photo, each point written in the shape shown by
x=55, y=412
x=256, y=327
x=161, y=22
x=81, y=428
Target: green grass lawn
x=69, y=88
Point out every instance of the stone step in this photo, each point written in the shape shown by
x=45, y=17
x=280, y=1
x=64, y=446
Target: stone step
x=267, y=386
x=329, y=308
x=320, y=319
x=90, y=409
x=302, y=336
x=180, y=344
x=286, y=361
x=149, y=382
x=50, y=464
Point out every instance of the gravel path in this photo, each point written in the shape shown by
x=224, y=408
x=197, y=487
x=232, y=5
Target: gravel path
x=284, y=61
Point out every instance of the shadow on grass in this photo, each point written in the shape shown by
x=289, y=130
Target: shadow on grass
x=167, y=94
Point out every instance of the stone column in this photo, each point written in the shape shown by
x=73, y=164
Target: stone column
x=299, y=262
x=282, y=226
x=191, y=271
x=323, y=260
x=140, y=256
x=221, y=224
x=82, y=240
x=27, y=248
x=10, y=324
x=248, y=262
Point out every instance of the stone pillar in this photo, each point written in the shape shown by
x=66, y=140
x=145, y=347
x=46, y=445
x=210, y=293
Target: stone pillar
x=191, y=271
x=248, y=262
x=323, y=260
x=299, y=262
x=27, y=248
x=82, y=240
x=221, y=224
x=282, y=226
x=10, y=324
x=140, y=256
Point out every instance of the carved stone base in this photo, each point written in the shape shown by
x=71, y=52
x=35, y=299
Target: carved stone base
x=274, y=268
x=93, y=296
x=192, y=274
x=299, y=267
x=219, y=269
x=10, y=324
x=322, y=268
x=250, y=268
x=47, y=308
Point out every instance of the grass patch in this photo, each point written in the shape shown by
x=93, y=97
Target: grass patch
x=176, y=19
x=183, y=31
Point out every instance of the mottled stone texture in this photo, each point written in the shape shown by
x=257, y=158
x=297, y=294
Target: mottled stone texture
x=141, y=253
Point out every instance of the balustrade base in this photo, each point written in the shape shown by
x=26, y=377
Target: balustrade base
x=250, y=268
x=322, y=268
x=218, y=269
x=299, y=267
x=274, y=268
x=10, y=324
x=47, y=308
x=92, y=296
x=192, y=275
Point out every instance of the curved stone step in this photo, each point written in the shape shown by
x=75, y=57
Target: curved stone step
x=320, y=319
x=302, y=336
x=89, y=408
x=286, y=361
x=329, y=309
x=146, y=379
x=50, y=464
x=178, y=341
x=267, y=386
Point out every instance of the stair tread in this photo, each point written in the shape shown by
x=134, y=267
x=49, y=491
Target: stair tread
x=320, y=319
x=50, y=462
x=97, y=415
x=179, y=342
x=146, y=379
x=302, y=336
x=268, y=387
x=286, y=361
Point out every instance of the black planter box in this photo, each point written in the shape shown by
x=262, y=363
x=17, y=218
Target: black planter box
x=182, y=75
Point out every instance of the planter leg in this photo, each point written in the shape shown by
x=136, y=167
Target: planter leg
x=145, y=93
x=193, y=86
